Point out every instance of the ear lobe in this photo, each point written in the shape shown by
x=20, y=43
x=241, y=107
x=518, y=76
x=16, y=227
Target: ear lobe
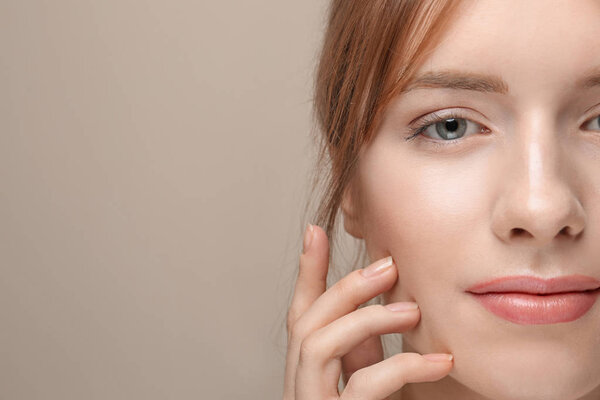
x=350, y=213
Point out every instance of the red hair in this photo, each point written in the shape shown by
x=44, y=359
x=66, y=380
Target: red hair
x=371, y=50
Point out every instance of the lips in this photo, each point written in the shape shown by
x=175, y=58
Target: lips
x=532, y=300
x=534, y=285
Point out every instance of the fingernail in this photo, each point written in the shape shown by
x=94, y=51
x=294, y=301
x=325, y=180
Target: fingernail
x=377, y=268
x=308, y=237
x=402, y=306
x=439, y=357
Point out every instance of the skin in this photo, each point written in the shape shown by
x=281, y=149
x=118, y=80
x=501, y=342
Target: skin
x=523, y=198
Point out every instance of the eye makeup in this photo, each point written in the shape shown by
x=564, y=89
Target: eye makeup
x=435, y=119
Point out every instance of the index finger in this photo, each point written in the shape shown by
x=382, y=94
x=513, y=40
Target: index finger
x=312, y=272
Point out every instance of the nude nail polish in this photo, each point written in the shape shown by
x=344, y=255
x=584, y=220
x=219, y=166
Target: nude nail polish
x=438, y=357
x=377, y=268
x=308, y=237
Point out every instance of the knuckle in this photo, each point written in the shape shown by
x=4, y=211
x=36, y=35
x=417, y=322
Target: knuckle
x=365, y=315
x=298, y=331
x=377, y=308
x=311, y=347
x=346, y=288
x=358, y=384
x=290, y=320
x=406, y=364
x=409, y=359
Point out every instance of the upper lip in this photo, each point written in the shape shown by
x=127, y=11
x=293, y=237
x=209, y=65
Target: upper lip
x=535, y=285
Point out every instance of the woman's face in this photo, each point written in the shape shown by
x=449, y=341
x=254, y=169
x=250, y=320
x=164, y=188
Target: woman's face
x=517, y=193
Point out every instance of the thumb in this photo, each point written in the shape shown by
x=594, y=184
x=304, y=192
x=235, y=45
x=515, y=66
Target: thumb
x=365, y=354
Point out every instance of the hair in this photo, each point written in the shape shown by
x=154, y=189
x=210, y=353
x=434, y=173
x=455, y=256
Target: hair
x=371, y=50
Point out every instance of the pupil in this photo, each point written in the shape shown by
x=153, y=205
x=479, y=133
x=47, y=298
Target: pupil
x=451, y=124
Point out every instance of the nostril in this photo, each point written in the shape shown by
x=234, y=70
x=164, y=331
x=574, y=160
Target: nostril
x=518, y=231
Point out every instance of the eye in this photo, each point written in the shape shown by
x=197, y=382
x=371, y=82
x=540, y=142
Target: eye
x=594, y=124
x=445, y=128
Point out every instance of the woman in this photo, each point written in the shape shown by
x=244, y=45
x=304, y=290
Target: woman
x=463, y=142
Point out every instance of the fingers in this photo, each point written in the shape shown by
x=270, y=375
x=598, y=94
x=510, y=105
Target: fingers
x=313, y=307
x=310, y=284
x=312, y=273
x=367, y=353
x=344, y=297
x=381, y=380
x=319, y=360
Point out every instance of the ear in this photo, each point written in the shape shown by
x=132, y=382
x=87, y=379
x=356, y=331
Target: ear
x=350, y=211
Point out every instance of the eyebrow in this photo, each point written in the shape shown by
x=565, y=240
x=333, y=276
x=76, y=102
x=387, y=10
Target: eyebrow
x=451, y=79
x=458, y=80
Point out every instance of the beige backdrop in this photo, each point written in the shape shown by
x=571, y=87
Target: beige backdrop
x=153, y=157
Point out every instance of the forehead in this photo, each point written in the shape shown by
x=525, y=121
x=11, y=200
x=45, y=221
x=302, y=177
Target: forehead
x=533, y=45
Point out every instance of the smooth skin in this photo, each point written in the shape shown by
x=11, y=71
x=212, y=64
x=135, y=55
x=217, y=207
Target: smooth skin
x=329, y=336
x=520, y=197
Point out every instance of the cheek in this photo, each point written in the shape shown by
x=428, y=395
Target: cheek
x=433, y=219
x=428, y=216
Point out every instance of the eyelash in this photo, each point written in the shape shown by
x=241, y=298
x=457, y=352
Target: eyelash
x=434, y=118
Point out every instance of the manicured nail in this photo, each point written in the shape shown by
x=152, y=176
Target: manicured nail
x=439, y=357
x=308, y=237
x=377, y=268
x=402, y=306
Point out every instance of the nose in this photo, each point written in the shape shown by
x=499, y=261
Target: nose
x=538, y=203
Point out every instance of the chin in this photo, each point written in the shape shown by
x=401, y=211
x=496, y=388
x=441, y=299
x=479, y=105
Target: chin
x=532, y=375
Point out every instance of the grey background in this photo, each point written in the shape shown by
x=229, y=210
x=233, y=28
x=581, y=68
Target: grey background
x=153, y=168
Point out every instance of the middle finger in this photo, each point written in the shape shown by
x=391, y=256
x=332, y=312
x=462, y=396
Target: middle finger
x=319, y=367
x=345, y=296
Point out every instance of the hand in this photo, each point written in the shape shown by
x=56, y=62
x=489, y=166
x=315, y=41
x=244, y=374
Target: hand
x=329, y=336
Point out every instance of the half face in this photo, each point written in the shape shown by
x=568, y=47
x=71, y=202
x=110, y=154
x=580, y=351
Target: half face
x=505, y=183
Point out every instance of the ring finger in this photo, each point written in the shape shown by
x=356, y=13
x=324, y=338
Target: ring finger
x=319, y=364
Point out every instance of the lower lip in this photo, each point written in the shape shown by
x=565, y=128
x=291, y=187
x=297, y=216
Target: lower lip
x=529, y=309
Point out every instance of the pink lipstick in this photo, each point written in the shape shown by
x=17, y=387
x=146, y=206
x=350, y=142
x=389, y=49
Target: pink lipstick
x=531, y=300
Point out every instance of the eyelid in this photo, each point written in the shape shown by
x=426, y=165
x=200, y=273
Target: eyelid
x=594, y=112
x=445, y=113
x=420, y=124
x=589, y=120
